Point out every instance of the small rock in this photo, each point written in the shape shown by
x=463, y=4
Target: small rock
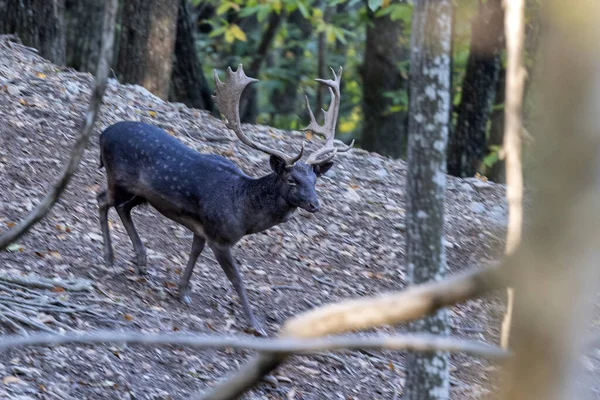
x=381, y=173
x=352, y=196
x=477, y=207
x=13, y=90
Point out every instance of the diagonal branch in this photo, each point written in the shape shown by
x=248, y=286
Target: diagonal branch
x=389, y=309
x=96, y=100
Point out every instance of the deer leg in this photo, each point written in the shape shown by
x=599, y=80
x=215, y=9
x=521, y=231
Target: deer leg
x=103, y=207
x=184, y=284
x=226, y=261
x=124, y=211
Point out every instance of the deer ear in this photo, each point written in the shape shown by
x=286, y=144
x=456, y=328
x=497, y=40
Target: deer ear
x=278, y=164
x=320, y=169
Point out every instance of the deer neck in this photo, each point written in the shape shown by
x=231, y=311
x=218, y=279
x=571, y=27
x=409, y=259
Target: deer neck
x=264, y=206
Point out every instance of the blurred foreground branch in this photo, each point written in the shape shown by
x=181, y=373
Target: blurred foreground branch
x=96, y=100
x=514, y=26
x=367, y=313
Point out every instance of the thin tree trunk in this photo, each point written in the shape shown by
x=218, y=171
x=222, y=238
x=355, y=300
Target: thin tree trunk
x=147, y=43
x=188, y=83
x=322, y=57
x=39, y=24
x=497, y=171
x=427, y=374
x=84, y=33
x=384, y=132
x=468, y=142
x=285, y=100
x=249, y=102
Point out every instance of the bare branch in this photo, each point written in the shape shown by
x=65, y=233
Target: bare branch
x=396, y=342
x=514, y=26
x=96, y=100
x=395, y=308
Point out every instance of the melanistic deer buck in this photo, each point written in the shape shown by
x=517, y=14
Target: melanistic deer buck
x=207, y=193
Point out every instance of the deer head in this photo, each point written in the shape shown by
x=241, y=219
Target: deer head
x=295, y=179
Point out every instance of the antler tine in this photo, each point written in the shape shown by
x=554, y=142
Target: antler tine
x=227, y=97
x=327, y=130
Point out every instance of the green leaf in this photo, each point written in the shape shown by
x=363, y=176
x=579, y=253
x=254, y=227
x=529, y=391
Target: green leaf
x=237, y=32
x=303, y=10
x=14, y=247
x=374, y=4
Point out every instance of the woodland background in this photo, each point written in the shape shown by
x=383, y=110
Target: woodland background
x=286, y=44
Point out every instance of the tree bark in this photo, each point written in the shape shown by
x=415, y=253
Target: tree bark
x=383, y=132
x=147, y=43
x=39, y=23
x=84, y=33
x=188, y=83
x=427, y=374
x=468, y=142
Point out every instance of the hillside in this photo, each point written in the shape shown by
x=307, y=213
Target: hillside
x=354, y=246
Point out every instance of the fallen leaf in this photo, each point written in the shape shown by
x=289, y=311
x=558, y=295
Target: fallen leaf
x=11, y=224
x=128, y=317
x=308, y=135
x=23, y=102
x=14, y=247
x=41, y=76
x=58, y=289
x=152, y=114
x=7, y=380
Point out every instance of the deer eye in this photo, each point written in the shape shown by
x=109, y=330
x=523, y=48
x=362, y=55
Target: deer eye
x=291, y=181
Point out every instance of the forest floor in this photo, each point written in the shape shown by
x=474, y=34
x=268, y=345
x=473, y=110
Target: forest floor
x=354, y=246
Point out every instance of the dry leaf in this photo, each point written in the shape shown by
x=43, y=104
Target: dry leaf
x=7, y=380
x=308, y=135
x=128, y=317
x=23, y=102
x=41, y=75
x=11, y=224
x=58, y=289
x=152, y=114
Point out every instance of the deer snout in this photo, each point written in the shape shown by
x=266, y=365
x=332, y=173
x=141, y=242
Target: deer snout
x=313, y=206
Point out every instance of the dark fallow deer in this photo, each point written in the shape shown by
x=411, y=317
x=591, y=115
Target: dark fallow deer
x=208, y=193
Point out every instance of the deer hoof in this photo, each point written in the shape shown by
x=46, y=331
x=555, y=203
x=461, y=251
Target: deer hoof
x=185, y=299
x=258, y=330
x=109, y=259
x=141, y=270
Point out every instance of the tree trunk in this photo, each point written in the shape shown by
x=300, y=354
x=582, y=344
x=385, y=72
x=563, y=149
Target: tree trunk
x=146, y=44
x=497, y=172
x=249, y=102
x=39, y=23
x=188, y=83
x=427, y=374
x=383, y=132
x=468, y=142
x=285, y=100
x=84, y=33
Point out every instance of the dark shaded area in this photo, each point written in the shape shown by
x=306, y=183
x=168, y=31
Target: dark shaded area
x=188, y=83
x=384, y=132
x=39, y=23
x=84, y=33
x=467, y=144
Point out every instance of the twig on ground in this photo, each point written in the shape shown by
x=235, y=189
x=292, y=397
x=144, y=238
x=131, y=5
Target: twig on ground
x=285, y=345
x=96, y=100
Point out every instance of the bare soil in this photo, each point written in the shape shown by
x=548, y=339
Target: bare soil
x=355, y=246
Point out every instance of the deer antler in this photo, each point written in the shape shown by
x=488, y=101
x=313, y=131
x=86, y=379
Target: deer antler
x=227, y=96
x=327, y=130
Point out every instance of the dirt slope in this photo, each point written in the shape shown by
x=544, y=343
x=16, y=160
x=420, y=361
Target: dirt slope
x=354, y=246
